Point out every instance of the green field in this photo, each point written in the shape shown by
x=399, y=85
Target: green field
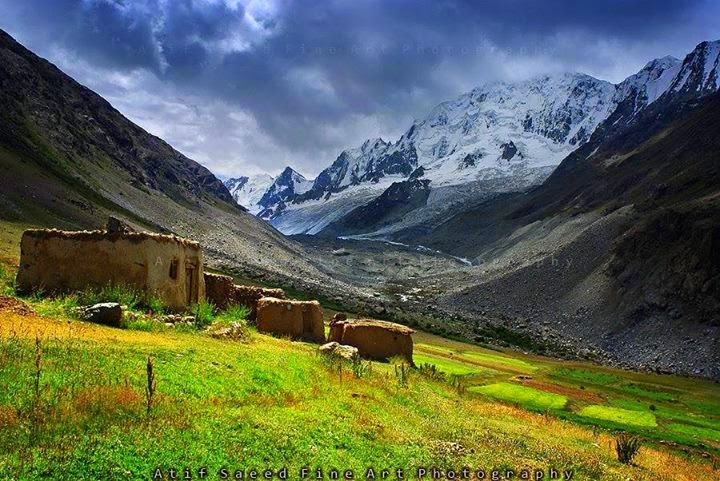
x=525, y=396
x=620, y=416
x=74, y=405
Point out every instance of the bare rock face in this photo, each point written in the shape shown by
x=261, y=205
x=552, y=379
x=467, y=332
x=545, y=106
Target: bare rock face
x=339, y=350
x=106, y=313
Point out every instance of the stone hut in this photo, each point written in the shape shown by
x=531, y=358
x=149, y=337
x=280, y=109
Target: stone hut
x=296, y=319
x=166, y=266
x=379, y=340
x=222, y=291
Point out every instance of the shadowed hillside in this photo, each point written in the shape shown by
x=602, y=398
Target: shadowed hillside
x=70, y=159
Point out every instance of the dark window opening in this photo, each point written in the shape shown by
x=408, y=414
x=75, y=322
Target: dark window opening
x=173, y=269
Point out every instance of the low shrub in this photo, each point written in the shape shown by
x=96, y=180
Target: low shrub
x=431, y=371
x=155, y=305
x=233, y=313
x=626, y=447
x=120, y=293
x=204, y=313
x=402, y=374
x=360, y=368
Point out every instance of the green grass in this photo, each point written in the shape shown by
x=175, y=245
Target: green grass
x=233, y=313
x=452, y=367
x=204, y=313
x=647, y=392
x=271, y=403
x=584, y=376
x=525, y=396
x=478, y=357
x=620, y=416
x=268, y=401
x=696, y=431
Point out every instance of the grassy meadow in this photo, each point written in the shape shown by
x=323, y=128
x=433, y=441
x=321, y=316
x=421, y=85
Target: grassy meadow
x=76, y=403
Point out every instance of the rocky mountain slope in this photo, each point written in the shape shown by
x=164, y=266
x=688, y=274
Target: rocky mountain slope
x=618, y=248
x=69, y=159
x=502, y=130
x=614, y=253
x=284, y=188
x=500, y=137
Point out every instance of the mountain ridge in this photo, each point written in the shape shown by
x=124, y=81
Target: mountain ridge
x=515, y=131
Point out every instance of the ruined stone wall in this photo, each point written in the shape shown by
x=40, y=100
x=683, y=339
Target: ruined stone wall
x=374, y=339
x=219, y=289
x=222, y=292
x=296, y=319
x=166, y=266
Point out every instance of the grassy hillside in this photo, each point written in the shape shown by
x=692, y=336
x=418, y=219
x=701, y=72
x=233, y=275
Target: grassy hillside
x=73, y=405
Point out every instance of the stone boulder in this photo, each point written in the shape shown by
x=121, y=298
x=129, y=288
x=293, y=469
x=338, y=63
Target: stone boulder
x=296, y=319
x=338, y=318
x=334, y=349
x=116, y=226
x=236, y=331
x=106, y=313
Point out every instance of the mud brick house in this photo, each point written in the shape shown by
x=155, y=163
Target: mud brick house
x=374, y=339
x=296, y=319
x=166, y=266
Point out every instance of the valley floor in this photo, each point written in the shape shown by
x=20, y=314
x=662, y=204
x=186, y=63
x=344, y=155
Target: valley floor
x=74, y=405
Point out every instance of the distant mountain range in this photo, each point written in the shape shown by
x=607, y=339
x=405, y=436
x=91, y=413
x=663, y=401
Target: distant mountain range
x=500, y=137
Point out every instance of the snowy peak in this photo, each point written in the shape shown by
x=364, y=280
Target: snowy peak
x=368, y=163
x=643, y=88
x=247, y=191
x=500, y=133
x=284, y=188
x=235, y=184
x=699, y=73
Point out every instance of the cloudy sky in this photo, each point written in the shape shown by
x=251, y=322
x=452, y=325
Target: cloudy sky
x=245, y=86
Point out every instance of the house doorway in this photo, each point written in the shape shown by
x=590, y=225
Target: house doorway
x=191, y=284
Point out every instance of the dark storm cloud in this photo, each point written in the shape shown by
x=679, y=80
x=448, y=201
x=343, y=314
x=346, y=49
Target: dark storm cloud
x=316, y=76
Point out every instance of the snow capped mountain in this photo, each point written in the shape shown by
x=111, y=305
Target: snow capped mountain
x=499, y=130
x=500, y=127
x=283, y=188
x=498, y=137
x=247, y=191
x=369, y=163
x=648, y=84
x=699, y=72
